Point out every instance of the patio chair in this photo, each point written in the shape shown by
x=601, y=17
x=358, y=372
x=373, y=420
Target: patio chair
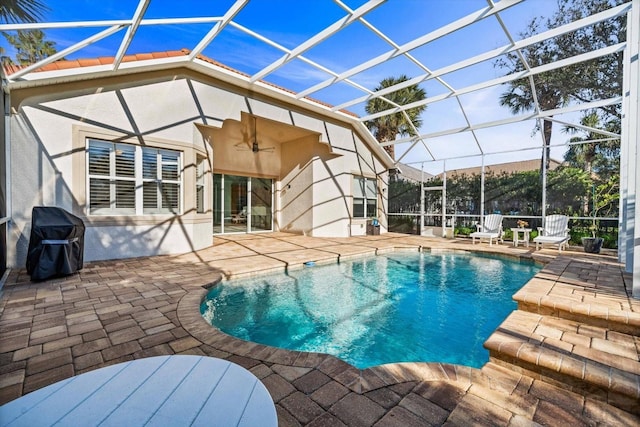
x=554, y=232
x=240, y=217
x=491, y=229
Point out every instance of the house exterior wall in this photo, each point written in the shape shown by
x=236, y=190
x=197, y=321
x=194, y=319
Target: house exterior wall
x=50, y=126
x=296, y=207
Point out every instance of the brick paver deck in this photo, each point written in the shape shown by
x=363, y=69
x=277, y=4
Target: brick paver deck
x=114, y=311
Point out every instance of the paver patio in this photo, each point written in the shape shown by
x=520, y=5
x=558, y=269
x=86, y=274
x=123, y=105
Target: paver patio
x=120, y=310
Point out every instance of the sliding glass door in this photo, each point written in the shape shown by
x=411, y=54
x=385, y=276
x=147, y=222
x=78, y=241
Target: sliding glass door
x=261, y=204
x=242, y=204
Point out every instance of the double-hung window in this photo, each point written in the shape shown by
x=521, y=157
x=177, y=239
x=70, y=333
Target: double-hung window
x=365, y=197
x=160, y=181
x=200, y=162
x=127, y=179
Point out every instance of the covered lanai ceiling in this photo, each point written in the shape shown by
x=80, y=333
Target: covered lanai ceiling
x=338, y=51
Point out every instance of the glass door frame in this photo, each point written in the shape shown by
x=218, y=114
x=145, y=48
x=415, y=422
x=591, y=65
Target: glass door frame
x=223, y=223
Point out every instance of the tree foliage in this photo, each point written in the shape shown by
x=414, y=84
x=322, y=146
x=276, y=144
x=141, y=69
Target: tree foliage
x=14, y=11
x=387, y=128
x=598, y=157
x=30, y=46
x=599, y=78
x=516, y=193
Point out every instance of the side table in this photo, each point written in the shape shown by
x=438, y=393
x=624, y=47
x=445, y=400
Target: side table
x=525, y=236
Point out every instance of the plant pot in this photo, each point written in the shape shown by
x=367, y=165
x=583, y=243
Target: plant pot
x=592, y=245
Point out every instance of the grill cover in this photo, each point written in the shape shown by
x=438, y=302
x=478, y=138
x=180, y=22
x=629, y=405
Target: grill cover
x=56, y=244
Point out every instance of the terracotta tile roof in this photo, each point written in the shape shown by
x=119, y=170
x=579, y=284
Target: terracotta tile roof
x=511, y=167
x=64, y=64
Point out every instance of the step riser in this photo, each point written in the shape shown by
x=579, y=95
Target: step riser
x=575, y=385
x=590, y=360
x=618, y=324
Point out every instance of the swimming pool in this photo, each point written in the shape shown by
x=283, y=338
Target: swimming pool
x=397, y=307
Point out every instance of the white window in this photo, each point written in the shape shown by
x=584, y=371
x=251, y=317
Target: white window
x=160, y=181
x=200, y=184
x=127, y=179
x=365, y=197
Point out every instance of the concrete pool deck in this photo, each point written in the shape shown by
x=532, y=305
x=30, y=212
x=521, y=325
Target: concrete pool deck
x=569, y=355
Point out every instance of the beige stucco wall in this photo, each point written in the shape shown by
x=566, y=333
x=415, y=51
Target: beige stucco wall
x=312, y=160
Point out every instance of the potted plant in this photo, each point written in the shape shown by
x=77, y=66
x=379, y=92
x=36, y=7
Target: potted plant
x=522, y=223
x=592, y=244
x=607, y=194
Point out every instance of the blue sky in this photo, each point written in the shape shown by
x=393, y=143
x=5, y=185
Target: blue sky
x=291, y=22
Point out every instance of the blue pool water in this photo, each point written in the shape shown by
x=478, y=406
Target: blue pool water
x=400, y=307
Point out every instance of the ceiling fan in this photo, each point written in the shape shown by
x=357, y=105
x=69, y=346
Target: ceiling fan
x=251, y=144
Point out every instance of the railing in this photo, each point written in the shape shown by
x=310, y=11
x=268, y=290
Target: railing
x=464, y=224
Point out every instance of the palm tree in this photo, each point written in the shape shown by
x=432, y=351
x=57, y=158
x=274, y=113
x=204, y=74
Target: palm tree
x=387, y=128
x=592, y=157
x=21, y=10
x=30, y=46
x=550, y=88
x=592, y=80
x=583, y=155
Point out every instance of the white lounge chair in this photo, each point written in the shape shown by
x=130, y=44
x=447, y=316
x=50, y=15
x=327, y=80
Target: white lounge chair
x=491, y=229
x=555, y=232
x=240, y=217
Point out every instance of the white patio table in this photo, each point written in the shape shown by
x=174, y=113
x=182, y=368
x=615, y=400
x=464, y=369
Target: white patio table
x=525, y=236
x=160, y=391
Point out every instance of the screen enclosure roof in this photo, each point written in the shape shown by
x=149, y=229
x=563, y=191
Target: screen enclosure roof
x=333, y=54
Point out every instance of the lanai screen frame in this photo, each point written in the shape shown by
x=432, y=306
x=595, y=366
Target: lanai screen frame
x=630, y=174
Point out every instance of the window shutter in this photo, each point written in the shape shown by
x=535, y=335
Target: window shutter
x=125, y=161
x=115, y=185
x=99, y=158
x=149, y=164
x=99, y=194
x=170, y=166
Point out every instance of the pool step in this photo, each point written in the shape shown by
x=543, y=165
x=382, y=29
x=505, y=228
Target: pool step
x=605, y=305
x=587, y=359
